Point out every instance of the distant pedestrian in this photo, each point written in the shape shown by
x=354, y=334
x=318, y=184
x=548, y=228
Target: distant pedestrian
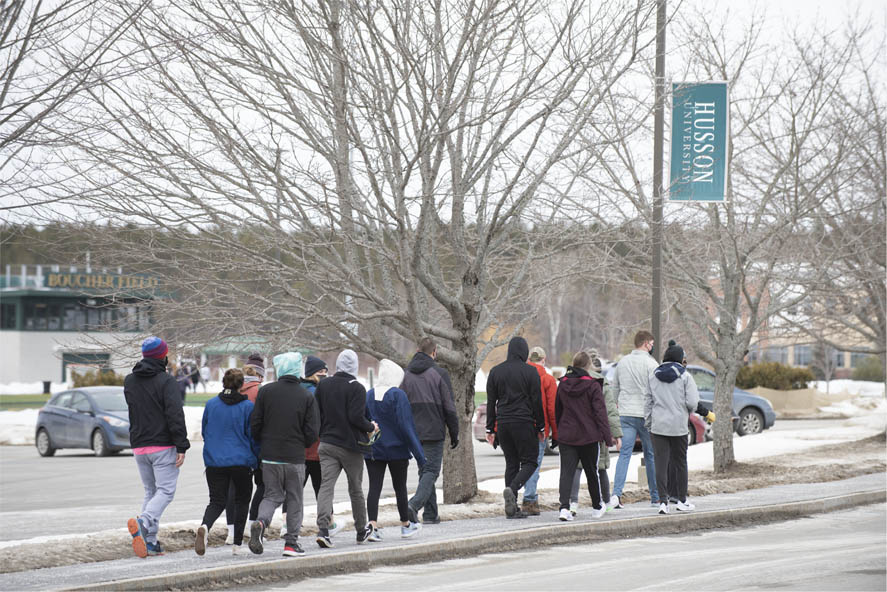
x=388, y=406
x=630, y=383
x=343, y=429
x=670, y=397
x=183, y=380
x=284, y=421
x=159, y=439
x=515, y=419
x=194, y=373
x=204, y=376
x=530, y=503
x=582, y=424
x=230, y=455
x=430, y=393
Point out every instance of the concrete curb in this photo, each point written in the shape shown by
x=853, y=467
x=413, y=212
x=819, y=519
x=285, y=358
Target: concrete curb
x=550, y=534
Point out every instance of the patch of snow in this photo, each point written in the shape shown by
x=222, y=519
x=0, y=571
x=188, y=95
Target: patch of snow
x=30, y=388
x=863, y=388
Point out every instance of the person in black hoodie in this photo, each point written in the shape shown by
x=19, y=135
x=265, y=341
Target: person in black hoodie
x=284, y=422
x=343, y=428
x=430, y=394
x=515, y=418
x=158, y=437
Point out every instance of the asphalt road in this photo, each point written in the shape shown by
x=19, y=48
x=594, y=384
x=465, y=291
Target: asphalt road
x=74, y=492
x=837, y=551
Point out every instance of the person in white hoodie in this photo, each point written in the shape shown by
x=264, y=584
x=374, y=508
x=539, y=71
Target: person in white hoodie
x=670, y=397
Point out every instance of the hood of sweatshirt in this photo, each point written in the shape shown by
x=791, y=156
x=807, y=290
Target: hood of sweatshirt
x=347, y=362
x=574, y=382
x=390, y=376
x=288, y=364
x=230, y=397
x=149, y=367
x=669, y=371
x=518, y=349
x=420, y=363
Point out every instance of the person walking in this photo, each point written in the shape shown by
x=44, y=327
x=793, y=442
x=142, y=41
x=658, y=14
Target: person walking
x=204, y=376
x=389, y=407
x=581, y=415
x=530, y=504
x=515, y=419
x=630, y=384
x=230, y=455
x=595, y=371
x=430, y=393
x=183, y=379
x=159, y=439
x=284, y=421
x=670, y=397
x=343, y=429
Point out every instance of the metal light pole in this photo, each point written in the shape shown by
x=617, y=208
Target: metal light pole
x=658, y=133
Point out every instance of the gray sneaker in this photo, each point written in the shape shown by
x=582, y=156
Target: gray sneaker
x=510, y=502
x=408, y=531
x=375, y=536
x=257, y=537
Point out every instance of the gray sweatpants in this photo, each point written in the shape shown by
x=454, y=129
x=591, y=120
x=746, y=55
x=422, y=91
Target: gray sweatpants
x=283, y=482
x=333, y=459
x=159, y=475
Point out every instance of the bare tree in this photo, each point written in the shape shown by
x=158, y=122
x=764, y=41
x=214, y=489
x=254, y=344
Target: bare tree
x=338, y=173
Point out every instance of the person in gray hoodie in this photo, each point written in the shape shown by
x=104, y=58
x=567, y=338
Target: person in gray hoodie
x=670, y=397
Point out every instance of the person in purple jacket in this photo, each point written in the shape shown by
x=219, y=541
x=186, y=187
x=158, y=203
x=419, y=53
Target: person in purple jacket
x=389, y=407
x=582, y=424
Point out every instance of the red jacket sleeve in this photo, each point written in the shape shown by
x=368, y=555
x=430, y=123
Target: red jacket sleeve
x=549, y=394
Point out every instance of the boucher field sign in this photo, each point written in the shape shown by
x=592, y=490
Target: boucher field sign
x=699, y=130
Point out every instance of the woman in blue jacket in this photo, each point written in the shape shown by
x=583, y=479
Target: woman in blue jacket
x=230, y=455
x=389, y=407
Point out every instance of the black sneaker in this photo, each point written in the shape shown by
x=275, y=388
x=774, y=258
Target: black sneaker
x=323, y=539
x=518, y=514
x=256, y=537
x=364, y=533
x=427, y=521
x=510, y=502
x=294, y=550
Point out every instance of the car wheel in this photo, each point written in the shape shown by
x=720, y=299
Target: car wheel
x=691, y=435
x=99, y=447
x=44, y=444
x=751, y=421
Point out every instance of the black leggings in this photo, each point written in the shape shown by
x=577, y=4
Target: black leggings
x=254, y=506
x=219, y=479
x=312, y=469
x=376, y=472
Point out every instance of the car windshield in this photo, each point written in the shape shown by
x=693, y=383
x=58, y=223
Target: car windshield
x=110, y=401
x=704, y=381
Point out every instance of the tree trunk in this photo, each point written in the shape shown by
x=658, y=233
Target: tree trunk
x=459, y=475
x=723, y=406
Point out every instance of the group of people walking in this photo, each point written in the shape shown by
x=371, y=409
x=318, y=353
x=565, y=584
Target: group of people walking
x=307, y=424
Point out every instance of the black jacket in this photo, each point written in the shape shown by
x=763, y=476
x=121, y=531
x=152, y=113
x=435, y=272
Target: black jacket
x=343, y=414
x=514, y=391
x=284, y=420
x=428, y=389
x=156, y=417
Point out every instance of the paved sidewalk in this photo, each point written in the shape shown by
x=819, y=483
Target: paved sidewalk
x=451, y=539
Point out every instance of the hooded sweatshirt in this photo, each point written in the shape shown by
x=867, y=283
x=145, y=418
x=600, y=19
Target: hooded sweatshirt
x=431, y=398
x=342, y=403
x=227, y=439
x=670, y=397
x=514, y=391
x=156, y=417
x=388, y=406
x=580, y=410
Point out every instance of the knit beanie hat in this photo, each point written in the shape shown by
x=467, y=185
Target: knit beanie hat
x=257, y=361
x=674, y=353
x=154, y=347
x=313, y=365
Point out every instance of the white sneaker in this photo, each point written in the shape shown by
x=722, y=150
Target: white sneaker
x=565, y=515
x=201, y=540
x=230, y=539
x=335, y=527
x=598, y=513
x=614, y=502
x=685, y=506
x=574, y=508
x=663, y=508
x=236, y=549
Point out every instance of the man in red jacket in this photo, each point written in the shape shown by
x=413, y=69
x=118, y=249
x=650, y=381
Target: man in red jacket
x=530, y=504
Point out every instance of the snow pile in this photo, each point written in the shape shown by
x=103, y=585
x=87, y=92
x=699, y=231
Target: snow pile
x=30, y=388
x=863, y=388
x=857, y=406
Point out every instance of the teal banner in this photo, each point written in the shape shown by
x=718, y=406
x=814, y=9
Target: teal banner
x=699, y=130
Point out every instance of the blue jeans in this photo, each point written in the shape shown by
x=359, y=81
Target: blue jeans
x=632, y=427
x=159, y=475
x=530, y=494
x=426, y=493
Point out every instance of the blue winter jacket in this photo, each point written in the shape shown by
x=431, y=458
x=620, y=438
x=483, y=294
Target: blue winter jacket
x=227, y=440
x=398, y=438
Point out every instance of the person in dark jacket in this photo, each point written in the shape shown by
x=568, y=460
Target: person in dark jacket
x=343, y=428
x=230, y=456
x=430, y=393
x=515, y=419
x=582, y=424
x=284, y=421
x=158, y=437
x=388, y=406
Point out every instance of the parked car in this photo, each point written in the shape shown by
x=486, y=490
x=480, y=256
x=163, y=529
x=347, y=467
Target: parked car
x=755, y=414
x=90, y=417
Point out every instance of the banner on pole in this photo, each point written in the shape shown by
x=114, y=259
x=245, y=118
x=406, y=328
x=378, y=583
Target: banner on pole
x=700, y=118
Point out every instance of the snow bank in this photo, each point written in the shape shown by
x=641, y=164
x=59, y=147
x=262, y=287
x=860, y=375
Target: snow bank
x=863, y=388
